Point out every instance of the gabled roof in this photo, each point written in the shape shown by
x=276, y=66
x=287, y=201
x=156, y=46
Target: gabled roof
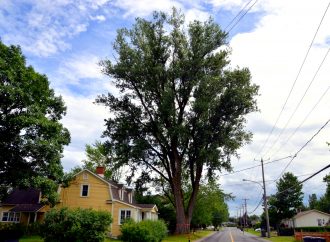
x=23, y=196
x=309, y=211
x=115, y=187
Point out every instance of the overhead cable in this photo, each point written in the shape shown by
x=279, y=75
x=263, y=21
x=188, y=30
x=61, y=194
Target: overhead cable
x=294, y=83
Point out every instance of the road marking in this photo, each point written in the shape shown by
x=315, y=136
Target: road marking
x=232, y=240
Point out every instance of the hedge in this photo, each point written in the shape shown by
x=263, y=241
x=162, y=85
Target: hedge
x=144, y=231
x=79, y=225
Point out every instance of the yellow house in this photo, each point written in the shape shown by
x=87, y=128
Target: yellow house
x=23, y=206
x=92, y=190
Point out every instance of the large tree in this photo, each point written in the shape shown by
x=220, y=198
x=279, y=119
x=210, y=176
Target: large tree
x=181, y=110
x=287, y=200
x=31, y=134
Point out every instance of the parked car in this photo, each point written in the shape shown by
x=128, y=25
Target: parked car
x=257, y=229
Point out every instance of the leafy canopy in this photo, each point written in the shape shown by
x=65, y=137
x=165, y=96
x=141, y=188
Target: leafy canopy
x=288, y=198
x=31, y=135
x=181, y=110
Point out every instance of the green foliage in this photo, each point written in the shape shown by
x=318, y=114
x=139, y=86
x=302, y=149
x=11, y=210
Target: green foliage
x=210, y=207
x=182, y=108
x=98, y=154
x=11, y=231
x=313, y=229
x=287, y=200
x=312, y=201
x=80, y=225
x=144, y=231
x=323, y=203
x=31, y=134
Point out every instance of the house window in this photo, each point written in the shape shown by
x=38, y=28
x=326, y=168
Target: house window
x=84, y=190
x=319, y=222
x=124, y=214
x=10, y=217
x=85, y=176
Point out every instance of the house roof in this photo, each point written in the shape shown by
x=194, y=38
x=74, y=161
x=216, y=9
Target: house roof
x=26, y=208
x=23, y=196
x=116, y=187
x=309, y=211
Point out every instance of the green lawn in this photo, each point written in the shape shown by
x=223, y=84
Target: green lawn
x=193, y=236
x=31, y=239
x=273, y=237
x=173, y=238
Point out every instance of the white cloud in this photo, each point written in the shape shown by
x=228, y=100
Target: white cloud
x=274, y=51
x=80, y=66
x=99, y=18
x=43, y=29
x=143, y=8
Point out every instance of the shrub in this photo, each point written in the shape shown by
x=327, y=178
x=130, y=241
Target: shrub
x=313, y=229
x=11, y=231
x=80, y=225
x=144, y=231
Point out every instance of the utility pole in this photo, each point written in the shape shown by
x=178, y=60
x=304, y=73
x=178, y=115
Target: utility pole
x=265, y=199
x=245, y=214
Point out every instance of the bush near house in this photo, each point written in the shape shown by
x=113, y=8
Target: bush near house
x=9, y=231
x=313, y=229
x=80, y=225
x=144, y=231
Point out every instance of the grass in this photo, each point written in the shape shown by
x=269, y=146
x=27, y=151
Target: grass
x=273, y=237
x=31, y=239
x=173, y=238
x=193, y=236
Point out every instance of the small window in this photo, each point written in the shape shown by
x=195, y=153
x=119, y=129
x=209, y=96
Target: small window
x=84, y=190
x=319, y=222
x=5, y=216
x=124, y=214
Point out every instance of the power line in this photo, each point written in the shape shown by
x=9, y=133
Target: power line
x=294, y=83
x=295, y=155
x=302, y=122
x=242, y=16
x=261, y=200
x=251, y=167
x=242, y=9
x=299, y=103
x=301, y=182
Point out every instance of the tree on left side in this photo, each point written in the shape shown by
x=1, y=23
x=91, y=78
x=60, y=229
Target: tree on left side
x=31, y=135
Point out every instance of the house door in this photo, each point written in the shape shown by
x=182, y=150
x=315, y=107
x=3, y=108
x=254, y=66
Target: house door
x=142, y=215
x=32, y=218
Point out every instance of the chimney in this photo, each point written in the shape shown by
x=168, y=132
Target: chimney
x=100, y=171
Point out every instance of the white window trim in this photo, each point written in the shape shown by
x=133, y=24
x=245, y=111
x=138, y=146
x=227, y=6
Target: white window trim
x=119, y=215
x=81, y=190
x=16, y=215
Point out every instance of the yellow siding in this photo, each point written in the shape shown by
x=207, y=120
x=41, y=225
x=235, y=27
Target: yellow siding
x=115, y=230
x=98, y=193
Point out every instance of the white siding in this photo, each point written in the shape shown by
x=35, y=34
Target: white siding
x=311, y=219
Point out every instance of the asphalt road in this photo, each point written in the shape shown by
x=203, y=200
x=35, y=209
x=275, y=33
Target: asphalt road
x=232, y=235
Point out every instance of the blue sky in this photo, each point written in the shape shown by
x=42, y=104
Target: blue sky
x=65, y=39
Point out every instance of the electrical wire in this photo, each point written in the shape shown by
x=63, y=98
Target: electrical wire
x=301, y=182
x=251, y=167
x=294, y=83
x=242, y=16
x=299, y=103
x=242, y=9
x=295, y=155
x=303, y=121
x=261, y=200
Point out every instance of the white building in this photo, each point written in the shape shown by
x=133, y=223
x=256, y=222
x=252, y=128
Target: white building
x=310, y=218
